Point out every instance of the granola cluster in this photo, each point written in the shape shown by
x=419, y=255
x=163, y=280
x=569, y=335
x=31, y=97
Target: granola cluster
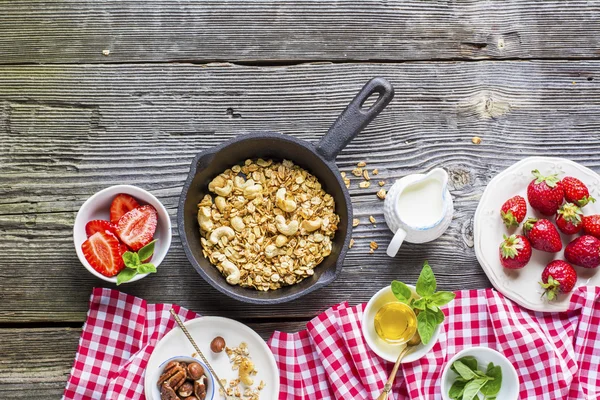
x=268, y=225
x=240, y=360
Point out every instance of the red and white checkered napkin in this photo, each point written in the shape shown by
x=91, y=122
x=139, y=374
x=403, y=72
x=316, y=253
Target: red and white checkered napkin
x=118, y=338
x=557, y=356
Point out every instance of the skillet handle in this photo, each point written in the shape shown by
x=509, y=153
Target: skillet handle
x=355, y=118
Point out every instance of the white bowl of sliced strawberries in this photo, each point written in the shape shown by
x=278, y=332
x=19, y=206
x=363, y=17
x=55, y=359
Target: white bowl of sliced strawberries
x=122, y=234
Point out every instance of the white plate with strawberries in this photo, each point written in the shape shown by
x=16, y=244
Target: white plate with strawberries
x=556, y=227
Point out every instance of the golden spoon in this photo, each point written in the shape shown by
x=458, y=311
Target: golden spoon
x=388, y=385
x=212, y=371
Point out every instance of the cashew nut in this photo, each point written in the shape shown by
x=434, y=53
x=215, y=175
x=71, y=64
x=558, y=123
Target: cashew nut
x=318, y=238
x=264, y=163
x=272, y=251
x=311, y=225
x=221, y=203
x=219, y=181
x=237, y=223
x=239, y=182
x=280, y=240
x=250, y=192
x=233, y=272
x=204, y=219
x=286, y=204
x=225, y=190
x=246, y=368
x=287, y=229
x=221, y=231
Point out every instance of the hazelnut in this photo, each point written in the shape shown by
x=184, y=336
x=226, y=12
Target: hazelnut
x=195, y=371
x=186, y=390
x=217, y=345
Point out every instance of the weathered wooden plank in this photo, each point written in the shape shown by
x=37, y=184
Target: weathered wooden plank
x=71, y=31
x=36, y=362
x=68, y=131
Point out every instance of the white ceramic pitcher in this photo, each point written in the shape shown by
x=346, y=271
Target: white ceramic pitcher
x=418, y=208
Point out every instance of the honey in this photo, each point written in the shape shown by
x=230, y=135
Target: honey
x=395, y=323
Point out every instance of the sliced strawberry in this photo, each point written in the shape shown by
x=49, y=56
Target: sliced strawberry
x=99, y=225
x=103, y=251
x=136, y=228
x=123, y=249
x=121, y=205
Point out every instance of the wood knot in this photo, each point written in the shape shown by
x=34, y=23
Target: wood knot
x=466, y=232
x=459, y=178
x=230, y=112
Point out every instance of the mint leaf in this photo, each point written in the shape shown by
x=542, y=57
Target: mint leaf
x=442, y=298
x=473, y=387
x=432, y=307
x=492, y=387
x=146, y=268
x=426, y=284
x=401, y=291
x=439, y=316
x=126, y=275
x=457, y=389
x=131, y=259
x=426, y=324
x=420, y=304
x=464, y=371
x=146, y=252
x=469, y=361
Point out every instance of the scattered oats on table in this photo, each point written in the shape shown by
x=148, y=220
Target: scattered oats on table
x=476, y=140
x=381, y=194
x=373, y=245
x=381, y=183
x=372, y=219
x=351, y=243
x=366, y=175
x=267, y=225
x=357, y=172
x=355, y=222
x=364, y=184
x=375, y=171
x=361, y=164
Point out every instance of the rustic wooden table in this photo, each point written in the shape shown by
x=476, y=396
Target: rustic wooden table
x=96, y=92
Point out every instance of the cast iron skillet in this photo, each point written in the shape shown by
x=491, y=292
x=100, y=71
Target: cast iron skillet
x=318, y=159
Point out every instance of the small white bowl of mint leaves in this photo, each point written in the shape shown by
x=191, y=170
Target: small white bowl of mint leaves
x=479, y=373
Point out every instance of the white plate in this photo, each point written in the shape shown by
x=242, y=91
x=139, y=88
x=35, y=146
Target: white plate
x=522, y=285
x=203, y=330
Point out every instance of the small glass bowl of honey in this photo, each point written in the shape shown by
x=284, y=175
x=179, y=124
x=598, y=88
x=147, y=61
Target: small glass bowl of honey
x=395, y=323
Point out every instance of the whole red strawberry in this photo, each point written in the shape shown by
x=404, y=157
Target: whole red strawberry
x=584, y=251
x=515, y=251
x=558, y=277
x=542, y=235
x=568, y=219
x=545, y=193
x=591, y=225
x=576, y=191
x=513, y=211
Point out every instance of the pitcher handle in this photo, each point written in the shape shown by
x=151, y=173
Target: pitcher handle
x=396, y=242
